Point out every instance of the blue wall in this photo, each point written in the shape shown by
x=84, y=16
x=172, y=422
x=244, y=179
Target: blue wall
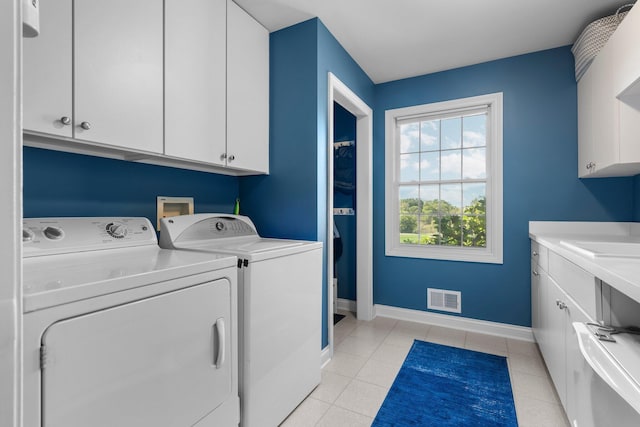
x=636, y=198
x=63, y=184
x=344, y=129
x=291, y=202
x=540, y=181
x=284, y=203
x=540, y=169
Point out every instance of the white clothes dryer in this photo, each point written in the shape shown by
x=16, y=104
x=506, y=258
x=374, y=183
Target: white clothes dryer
x=280, y=309
x=118, y=332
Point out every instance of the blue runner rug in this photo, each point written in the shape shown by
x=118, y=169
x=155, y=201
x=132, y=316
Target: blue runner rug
x=447, y=386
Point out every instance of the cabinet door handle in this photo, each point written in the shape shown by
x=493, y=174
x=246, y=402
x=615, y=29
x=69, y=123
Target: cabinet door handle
x=535, y=273
x=223, y=156
x=65, y=120
x=232, y=158
x=561, y=305
x=535, y=253
x=85, y=125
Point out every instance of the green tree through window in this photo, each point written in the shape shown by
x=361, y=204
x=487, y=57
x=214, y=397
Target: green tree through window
x=436, y=222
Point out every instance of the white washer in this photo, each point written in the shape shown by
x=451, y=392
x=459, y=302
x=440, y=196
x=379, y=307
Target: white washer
x=118, y=332
x=280, y=309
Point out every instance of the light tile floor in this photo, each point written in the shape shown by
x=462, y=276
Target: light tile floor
x=368, y=355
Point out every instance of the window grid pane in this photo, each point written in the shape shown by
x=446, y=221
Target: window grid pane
x=447, y=159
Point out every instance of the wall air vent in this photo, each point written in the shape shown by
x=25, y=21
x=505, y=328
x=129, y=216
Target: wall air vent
x=440, y=299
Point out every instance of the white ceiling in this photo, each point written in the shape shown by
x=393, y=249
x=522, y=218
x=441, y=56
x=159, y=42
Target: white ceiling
x=395, y=39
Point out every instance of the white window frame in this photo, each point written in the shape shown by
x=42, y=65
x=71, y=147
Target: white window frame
x=493, y=252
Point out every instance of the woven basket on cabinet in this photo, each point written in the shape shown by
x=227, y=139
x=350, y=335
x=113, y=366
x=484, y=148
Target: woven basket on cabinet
x=593, y=38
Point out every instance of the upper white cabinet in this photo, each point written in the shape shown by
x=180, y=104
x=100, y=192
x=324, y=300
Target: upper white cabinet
x=585, y=123
x=627, y=55
x=181, y=83
x=247, y=91
x=47, y=72
x=195, y=79
x=609, y=106
x=116, y=55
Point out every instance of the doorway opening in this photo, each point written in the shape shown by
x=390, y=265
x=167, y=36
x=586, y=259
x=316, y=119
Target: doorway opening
x=344, y=211
x=362, y=200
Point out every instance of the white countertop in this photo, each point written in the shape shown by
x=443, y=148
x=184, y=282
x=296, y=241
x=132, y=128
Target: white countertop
x=621, y=273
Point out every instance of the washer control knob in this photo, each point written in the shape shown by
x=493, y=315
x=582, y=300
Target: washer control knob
x=116, y=230
x=27, y=235
x=53, y=233
x=219, y=226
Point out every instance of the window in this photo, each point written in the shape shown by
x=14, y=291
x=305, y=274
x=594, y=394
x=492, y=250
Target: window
x=444, y=180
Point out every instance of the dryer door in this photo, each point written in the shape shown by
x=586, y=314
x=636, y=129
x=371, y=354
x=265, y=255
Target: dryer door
x=160, y=361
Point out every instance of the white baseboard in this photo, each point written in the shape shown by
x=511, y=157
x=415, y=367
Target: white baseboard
x=325, y=356
x=464, y=323
x=347, y=305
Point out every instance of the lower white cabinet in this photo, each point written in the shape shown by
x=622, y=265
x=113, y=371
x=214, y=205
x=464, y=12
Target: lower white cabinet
x=536, y=318
x=553, y=343
x=553, y=312
x=539, y=268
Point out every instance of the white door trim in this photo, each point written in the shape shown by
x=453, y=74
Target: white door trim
x=340, y=93
x=11, y=216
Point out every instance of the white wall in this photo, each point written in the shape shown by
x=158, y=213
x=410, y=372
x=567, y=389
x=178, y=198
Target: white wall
x=10, y=213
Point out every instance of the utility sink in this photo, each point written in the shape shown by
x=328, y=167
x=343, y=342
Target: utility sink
x=604, y=249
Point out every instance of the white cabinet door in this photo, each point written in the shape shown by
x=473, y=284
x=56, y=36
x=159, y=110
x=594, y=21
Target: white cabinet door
x=577, y=406
x=154, y=362
x=604, y=117
x=47, y=76
x=195, y=79
x=626, y=56
x=247, y=91
x=585, y=124
x=626, y=53
x=536, y=321
x=553, y=345
x=118, y=73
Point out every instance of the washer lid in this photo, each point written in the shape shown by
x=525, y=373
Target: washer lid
x=262, y=245
x=244, y=245
x=60, y=279
x=253, y=248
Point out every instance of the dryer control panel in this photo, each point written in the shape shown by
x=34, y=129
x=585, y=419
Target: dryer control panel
x=49, y=236
x=228, y=227
x=203, y=227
